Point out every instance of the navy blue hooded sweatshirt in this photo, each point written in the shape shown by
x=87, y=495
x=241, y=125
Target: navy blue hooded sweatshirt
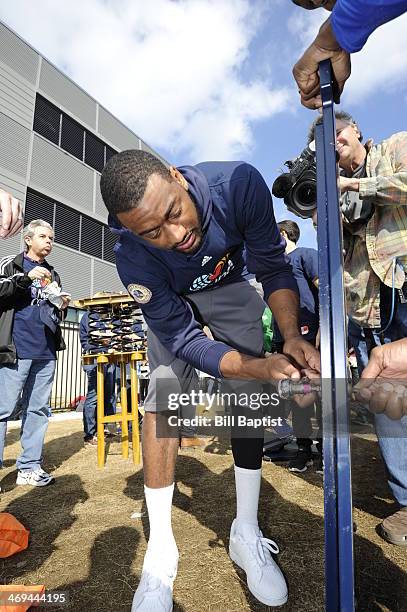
x=240, y=236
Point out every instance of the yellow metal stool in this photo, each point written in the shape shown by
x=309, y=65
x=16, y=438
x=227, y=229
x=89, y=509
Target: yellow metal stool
x=121, y=359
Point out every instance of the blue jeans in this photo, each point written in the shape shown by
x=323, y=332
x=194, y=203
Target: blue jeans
x=392, y=435
x=34, y=378
x=89, y=407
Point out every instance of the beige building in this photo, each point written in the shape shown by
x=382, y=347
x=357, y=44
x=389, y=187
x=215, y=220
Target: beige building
x=55, y=139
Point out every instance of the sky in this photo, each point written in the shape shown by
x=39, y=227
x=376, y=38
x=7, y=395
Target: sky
x=203, y=80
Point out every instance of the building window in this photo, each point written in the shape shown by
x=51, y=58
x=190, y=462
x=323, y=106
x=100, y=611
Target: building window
x=72, y=228
x=47, y=119
x=72, y=136
x=109, y=153
x=75, y=139
x=94, y=152
x=38, y=206
x=92, y=237
x=67, y=226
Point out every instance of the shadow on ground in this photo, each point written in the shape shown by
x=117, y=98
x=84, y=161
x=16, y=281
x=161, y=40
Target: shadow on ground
x=205, y=492
x=56, y=452
x=46, y=512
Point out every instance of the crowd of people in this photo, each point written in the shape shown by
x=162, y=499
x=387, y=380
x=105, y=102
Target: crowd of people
x=190, y=238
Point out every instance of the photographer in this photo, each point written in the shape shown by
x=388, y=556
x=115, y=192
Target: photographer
x=373, y=185
x=30, y=311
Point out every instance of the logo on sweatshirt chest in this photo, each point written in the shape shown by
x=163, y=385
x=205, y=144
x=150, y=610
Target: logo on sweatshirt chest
x=221, y=269
x=206, y=259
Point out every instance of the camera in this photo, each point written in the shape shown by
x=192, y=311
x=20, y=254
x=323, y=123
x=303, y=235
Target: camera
x=298, y=186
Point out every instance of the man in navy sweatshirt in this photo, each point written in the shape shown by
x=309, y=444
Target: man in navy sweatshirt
x=188, y=239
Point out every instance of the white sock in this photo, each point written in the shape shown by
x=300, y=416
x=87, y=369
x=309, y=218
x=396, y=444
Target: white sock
x=247, y=495
x=159, y=505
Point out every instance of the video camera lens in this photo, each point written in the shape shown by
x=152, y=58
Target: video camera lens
x=304, y=197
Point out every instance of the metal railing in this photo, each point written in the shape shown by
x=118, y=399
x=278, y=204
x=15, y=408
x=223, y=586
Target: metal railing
x=70, y=379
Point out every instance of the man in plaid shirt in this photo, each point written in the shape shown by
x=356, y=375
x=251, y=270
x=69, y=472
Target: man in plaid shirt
x=373, y=185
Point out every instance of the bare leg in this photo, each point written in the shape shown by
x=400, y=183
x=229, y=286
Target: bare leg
x=159, y=454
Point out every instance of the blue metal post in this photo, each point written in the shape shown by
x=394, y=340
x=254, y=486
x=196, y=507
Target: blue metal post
x=339, y=582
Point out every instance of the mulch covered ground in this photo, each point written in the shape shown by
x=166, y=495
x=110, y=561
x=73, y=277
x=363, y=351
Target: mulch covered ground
x=84, y=541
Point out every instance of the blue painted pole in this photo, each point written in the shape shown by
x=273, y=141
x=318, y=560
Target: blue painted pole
x=339, y=569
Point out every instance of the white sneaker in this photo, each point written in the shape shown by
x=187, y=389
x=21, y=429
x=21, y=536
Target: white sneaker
x=154, y=592
x=35, y=478
x=251, y=552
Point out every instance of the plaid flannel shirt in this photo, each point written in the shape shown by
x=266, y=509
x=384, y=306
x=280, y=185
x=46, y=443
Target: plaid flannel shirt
x=370, y=249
